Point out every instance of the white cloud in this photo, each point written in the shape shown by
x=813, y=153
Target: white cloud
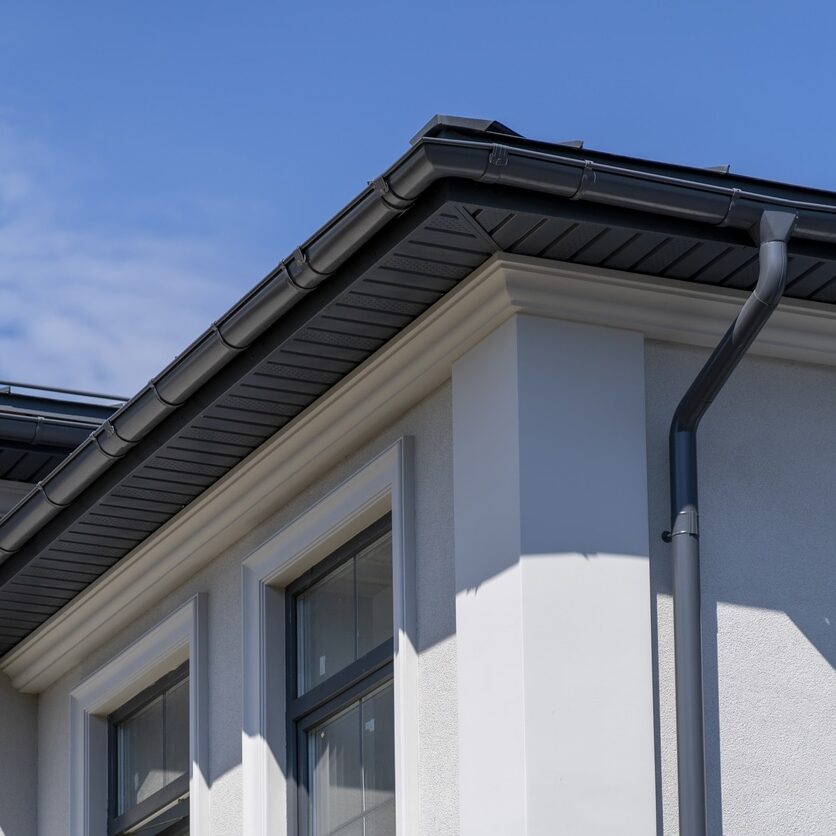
x=86, y=308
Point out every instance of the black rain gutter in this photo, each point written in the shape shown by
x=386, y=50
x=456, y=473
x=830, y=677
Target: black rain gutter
x=772, y=234
x=61, y=433
x=429, y=160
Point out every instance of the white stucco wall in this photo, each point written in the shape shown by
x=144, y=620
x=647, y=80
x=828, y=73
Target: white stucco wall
x=430, y=425
x=767, y=481
x=552, y=571
x=767, y=489
x=18, y=761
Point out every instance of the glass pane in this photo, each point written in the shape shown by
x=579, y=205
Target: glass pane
x=374, y=595
x=352, y=770
x=381, y=821
x=140, y=753
x=325, y=616
x=177, y=731
x=152, y=747
x=345, y=615
x=336, y=778
x=378, y=716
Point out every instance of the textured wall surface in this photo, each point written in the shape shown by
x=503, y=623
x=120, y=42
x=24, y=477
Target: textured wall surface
x=430, y=423
x=18, y=761
x=767, y=491
x=768, y=485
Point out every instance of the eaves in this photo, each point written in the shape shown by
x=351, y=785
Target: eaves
x=462, y=193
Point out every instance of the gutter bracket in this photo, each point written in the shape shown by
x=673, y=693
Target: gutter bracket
x=380, y=185
x=384, y=191
x=498, y=156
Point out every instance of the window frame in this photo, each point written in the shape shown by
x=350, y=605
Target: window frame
x=165, y=798
x=180, y=636
x=343, y=688
x=383, y=483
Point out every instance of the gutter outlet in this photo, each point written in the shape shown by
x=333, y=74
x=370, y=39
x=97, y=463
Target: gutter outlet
x=772, y=234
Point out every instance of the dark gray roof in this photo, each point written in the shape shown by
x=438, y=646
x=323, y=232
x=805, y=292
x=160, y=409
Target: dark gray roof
x=462, y=192
x=38, y=432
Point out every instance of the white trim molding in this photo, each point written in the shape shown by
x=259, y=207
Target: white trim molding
x=663, y=309
x=383, y=485
x=403, y=372
x=181, y=636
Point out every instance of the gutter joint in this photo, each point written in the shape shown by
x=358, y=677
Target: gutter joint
x=301, y=257
x=587, y=178
x=159, y=397
x=388, y=195
x=52, y=502
x=217, y=329
x=730, y=210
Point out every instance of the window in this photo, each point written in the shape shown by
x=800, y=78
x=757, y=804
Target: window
x=277, y=712
x=340, y=696
x=148, y=758
x=178, y=638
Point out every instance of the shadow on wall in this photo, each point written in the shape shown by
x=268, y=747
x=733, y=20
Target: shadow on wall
x=767, y=479
x=18, y=761
x=767, y=474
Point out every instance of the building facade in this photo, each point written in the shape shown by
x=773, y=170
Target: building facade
x=382, y=553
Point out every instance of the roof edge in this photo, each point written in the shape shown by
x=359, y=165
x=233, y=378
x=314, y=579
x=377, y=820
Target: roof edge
x=574, y=176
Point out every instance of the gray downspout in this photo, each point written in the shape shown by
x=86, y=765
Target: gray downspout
x=774, y=231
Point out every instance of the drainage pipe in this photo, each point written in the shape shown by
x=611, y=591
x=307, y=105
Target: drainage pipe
x=772, y=234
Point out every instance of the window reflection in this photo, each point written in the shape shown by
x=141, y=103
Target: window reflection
x=345, y=615
x=352, y=766
x=153, y=747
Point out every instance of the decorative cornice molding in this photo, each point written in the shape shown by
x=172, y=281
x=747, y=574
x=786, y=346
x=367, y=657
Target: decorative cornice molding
x=402, y=373
x=664, y=309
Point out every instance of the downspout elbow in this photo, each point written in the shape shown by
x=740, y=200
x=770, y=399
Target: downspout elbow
x=773, y=233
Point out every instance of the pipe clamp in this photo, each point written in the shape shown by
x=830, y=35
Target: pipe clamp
x=687, y=522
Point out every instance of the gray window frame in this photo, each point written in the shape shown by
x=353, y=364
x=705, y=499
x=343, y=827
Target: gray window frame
x=362, y=677
x=173, y=813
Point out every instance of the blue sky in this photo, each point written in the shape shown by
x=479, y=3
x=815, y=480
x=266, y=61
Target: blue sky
x=158, y=158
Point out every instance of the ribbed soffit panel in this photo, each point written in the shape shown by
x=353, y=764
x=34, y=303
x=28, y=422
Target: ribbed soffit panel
x=404, y=283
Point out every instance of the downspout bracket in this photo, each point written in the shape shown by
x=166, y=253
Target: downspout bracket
x=687, y=522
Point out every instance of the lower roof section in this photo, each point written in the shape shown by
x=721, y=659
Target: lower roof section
x=37, y=433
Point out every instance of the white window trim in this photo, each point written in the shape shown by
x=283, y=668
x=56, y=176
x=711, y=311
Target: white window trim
x=180, y=636
x=383, y=485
